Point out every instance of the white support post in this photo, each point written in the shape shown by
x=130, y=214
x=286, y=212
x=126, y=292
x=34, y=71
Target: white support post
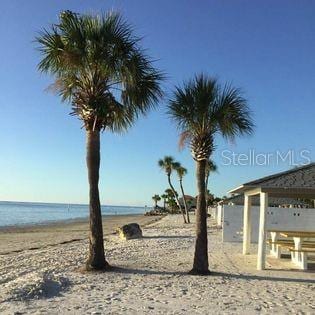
x=247, y=224
x=261, y=258
x=219, y=216
x=298, y=247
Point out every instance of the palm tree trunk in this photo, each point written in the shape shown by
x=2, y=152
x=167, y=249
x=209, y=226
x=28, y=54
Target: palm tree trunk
x=184, y=199
x=96, y=259
x=174, y=192
x=201, y=265
x=207, y=195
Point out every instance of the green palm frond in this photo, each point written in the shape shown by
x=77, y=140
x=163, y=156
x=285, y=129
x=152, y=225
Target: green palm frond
x=168, y=164
x=181, y=172
x=100, y=69
x=176, y=165
x=232, y=113
x=168, y=191
x=211, y=167
x=201, y=108
x=156, y=198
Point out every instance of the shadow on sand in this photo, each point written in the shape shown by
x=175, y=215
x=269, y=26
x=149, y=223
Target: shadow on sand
x=225, y=276
x=228, y=276
x=168, y=237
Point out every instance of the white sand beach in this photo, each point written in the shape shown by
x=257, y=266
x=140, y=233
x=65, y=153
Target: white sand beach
x=152, y=278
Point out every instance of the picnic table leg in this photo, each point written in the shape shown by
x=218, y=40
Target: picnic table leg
x=303, y=263
x=275, y=249
x=297, y=257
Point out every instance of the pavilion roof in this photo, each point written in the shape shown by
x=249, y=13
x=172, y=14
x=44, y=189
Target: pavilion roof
x=299, y=179
x=273, y=201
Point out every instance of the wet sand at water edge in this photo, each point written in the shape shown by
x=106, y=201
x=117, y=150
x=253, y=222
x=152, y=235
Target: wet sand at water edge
x=19, y=238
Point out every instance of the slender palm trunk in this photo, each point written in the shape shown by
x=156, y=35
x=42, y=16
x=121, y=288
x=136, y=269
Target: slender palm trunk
x=164, y=201
x=184, y=199
x=96, y=259
x=201, y=265
x=174, y=192
x=155, y=204
x=207, y=195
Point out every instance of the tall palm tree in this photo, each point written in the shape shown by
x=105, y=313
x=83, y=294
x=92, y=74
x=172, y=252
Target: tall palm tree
x=109, y=81
x=168, y=165
x=202, y=110
x=156, y=198
x=211, y=167
x=181, y=172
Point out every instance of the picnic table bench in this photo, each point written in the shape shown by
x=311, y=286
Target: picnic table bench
x=301, y=246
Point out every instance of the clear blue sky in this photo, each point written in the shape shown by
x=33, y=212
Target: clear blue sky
x=265, y=47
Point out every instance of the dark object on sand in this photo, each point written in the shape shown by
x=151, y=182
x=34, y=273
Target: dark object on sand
x=130, y=231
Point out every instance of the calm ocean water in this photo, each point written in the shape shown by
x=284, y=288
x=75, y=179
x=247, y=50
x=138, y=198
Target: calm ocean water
x=24, y=213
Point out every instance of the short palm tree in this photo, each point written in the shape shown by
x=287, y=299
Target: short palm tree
x=100, y=69
x=203, y=109
x=168, y=165
x=172, y=205
x=170, y=198
x=164, y=197
x=169, y=192
x=181, y=172
x=156, y=199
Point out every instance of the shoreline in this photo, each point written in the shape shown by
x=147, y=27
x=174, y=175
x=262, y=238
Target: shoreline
x=15, y=239
x=26, y=214
x=51, y=223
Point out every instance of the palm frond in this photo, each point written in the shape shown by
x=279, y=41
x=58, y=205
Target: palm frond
x=99, y=67
x=181, y=171
x=211, y=167
x=232, y=113
x=184, y=139
x=167, y=164
x=201, y=109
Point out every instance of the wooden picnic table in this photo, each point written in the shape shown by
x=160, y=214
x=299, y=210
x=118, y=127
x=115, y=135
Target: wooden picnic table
x=299, y=237
x=297, y=234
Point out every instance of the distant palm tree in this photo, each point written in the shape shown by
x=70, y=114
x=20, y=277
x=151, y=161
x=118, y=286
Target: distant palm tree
x=172, y=205
x=101, y=70
x=170, y=199
x=202, y=109
x=164, y=197
x=169, y=192
x=156, y=198
x=211, y=167
x=181, y=172
x=210, y=197
x=168, y=165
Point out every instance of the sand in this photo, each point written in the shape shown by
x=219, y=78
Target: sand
x=18, y=238
x=152, y=278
